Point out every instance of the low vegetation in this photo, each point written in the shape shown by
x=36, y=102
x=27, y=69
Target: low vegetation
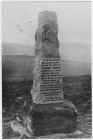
x=76, y=89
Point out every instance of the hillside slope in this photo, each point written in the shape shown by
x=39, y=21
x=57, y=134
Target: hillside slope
x=69, y=51
x=18, y=67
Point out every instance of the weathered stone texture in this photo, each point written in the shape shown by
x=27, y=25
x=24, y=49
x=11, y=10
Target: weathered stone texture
x=47, y=85
x=50, y=111
x=54, y=118
x=50, y=18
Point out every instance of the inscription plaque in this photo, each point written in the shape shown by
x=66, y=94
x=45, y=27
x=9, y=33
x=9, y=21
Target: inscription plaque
x=51, y=90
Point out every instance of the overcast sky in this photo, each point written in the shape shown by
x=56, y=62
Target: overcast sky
x=19, y=21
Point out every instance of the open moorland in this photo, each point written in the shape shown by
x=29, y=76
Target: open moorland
x=76, y=89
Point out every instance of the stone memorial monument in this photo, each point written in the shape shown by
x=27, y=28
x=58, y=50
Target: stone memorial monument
x=51, y=113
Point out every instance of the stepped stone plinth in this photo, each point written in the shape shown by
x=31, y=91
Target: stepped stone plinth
x=51, y=113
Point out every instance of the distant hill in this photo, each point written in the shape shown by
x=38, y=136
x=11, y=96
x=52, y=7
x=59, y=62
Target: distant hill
x=76, y=52
x=69, y=51
x=17, y=49
x=19, y=67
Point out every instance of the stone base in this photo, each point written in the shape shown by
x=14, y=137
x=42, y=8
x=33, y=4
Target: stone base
x=76, y=134
x=53, y=118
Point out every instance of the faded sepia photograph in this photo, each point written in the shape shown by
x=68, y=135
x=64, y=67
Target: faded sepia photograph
x=46, y=70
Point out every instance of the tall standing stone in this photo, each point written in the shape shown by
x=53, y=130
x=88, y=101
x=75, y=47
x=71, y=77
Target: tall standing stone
x=51, y=112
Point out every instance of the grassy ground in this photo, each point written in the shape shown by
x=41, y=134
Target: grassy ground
x=76, y=89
